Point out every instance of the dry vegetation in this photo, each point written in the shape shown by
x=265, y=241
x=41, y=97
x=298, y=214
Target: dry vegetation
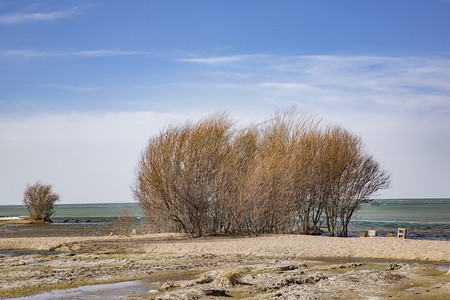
x=39, y=200
x=124, y=224
x=288, y=174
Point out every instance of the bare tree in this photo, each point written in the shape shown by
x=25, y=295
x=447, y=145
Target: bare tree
x=156, y=176
x=308, y=180
x=39, y=200
x=270, y=180
x=236, y=196
x=352, y=177
x=180, y=175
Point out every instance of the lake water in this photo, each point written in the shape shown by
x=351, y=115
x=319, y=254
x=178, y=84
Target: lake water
x=423, y=218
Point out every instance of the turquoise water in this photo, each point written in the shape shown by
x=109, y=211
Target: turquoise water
x=94, y=211
x=407, y=210
x=71, y=220
x=423, y=218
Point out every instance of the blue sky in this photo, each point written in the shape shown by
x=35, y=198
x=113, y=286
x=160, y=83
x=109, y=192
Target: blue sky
x=84, y=84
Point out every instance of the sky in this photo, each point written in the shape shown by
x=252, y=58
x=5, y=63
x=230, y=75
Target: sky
x=85, y=84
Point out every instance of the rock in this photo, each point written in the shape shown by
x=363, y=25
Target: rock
x=394, y=266
x=214, y=292
x=291, y=280
x=288, y=268
x=168, y=285
x=204, y=279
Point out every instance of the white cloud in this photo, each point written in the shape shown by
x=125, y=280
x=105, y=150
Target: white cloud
x=87, y=157
x=36, y=17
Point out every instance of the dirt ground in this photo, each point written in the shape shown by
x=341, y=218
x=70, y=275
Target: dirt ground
x=266, y=267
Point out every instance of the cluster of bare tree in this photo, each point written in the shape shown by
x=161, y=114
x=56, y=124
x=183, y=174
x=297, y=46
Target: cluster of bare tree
x=287, y=174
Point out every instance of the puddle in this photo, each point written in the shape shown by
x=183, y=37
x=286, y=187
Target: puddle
x=415, y=288
x=47, y=263
x=120, y=290
x=443, y=268
x=13, y=253
x=135, y=289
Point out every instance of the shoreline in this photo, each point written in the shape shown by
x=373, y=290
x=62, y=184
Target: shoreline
x=21, y=221
x=4, y=222
x=176, y=266
x=92, y=228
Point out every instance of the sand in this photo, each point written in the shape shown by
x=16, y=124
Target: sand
x=270, y=245
x=175, y=266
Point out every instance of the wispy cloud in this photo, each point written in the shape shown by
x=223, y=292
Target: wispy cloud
x=105, y=53
x=81, y=88
x=407, y=83
x=220, y=60
x=83, y=53
x=22, y=53
x=18, y=18
x=287, y=85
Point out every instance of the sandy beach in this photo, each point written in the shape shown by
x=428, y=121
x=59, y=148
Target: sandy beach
x=300, y=246
x=288, y=266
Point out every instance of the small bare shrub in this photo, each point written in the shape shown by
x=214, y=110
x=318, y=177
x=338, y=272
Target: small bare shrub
x=124, y=224
x=228, y=278
x=39, y=200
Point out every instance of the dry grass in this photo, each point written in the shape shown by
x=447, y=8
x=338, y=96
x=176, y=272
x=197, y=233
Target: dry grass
x=228, y=278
